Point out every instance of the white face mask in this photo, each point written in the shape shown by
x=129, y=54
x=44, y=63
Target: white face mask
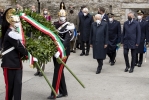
x=16, y=25
x=85, y=14
x=98, y=21
x=45, y=12
x=139, y=17
x=111, y=19
x=63, y=19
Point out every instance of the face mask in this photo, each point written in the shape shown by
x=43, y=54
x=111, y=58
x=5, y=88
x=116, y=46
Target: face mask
x=71, y=11
x=98, y=21
x=139, y=17
x=110, y=19
x=16, y=25
x=85, y=14
x=63, y=19
x=45, y=12
x=129, y=18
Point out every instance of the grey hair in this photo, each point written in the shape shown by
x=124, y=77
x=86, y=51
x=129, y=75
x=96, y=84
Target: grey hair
x=98, y=15
x=85, y=9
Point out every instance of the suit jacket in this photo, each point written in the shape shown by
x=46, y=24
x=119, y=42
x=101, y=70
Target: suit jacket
x=131, y=34
x=99, y=38
x=105, y=18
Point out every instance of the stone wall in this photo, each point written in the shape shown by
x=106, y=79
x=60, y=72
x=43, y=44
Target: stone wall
x=119, y=7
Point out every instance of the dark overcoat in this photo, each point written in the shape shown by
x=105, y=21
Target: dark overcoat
x=99, y=38
x=85, y=27
x=131, y=34
x=114, y=30
x=144, y=35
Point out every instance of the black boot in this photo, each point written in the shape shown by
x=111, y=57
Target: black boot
x=37, y=73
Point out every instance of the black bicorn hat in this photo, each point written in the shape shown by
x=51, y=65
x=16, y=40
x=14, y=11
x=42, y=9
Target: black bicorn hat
x=140, y=12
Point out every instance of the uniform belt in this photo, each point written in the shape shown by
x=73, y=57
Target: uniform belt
x=8, y=50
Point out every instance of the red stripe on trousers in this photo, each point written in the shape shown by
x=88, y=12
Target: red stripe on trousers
x=6, y=82
x=59, y=76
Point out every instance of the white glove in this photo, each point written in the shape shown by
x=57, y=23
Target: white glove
x=57, y=54
x=35, y=59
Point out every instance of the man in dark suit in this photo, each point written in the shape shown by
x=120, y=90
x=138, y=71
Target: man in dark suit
x=114, y=30
x=104, y=16
x=144, y=35
x=99, y=40
x=130, y=40
x=84, y=28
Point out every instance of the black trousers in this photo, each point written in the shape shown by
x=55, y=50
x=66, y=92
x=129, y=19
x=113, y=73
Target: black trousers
x=133, y=57
x=13, y=81
x=83, y=46
x=100, y=64
x=59, y=78
x=139, y=58
x=112, y=56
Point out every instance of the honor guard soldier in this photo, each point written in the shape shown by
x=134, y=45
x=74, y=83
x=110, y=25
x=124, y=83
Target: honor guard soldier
x=144, y=36
x=114, y=30
x=12, y=52
x=64, y=29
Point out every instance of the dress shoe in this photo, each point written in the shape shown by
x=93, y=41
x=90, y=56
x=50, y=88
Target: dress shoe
x=51, y=97
x=37, y=73
x=71, y=50
x=112, y=63
x=126, y=70
x=139, y=65
x=86, y=54
x=135, y=64
x=62, y=95
x=131, y=70
x=82, y=54
x=98, y=71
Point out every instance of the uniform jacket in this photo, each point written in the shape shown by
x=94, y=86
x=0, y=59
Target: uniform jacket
x=12, y=59
x=65, y=36
x=131, y=34
x=99, y=38
x=85, y=27
x=114, y=30
x=144, y=35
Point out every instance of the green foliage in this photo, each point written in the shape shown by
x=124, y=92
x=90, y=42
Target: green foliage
x=39, y=45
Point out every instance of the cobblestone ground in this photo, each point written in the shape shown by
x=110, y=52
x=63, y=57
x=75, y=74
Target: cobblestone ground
x=112, y=84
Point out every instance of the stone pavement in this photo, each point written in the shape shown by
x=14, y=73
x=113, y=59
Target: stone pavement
x=112, y=84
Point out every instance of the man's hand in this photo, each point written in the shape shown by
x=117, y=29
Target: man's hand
x=137, y=45
x=79, y=33
x=105, y=46
x=91, y=46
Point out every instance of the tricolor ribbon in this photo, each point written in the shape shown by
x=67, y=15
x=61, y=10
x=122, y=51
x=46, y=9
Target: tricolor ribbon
x=46, y=31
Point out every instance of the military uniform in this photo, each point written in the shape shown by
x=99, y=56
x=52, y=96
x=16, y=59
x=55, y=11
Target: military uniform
x=114, y=30
x=144, y=35
x=13, y=51
x=72, y=18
